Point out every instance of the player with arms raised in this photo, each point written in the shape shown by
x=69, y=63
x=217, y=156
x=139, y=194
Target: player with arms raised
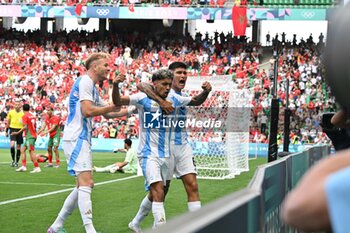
x=153, y=151
x=181, y=161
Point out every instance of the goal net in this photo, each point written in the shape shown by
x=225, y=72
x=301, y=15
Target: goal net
x=221, y=148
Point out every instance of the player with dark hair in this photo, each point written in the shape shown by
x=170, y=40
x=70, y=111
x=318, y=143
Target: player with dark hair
x=181, y=160
x=29, y=126
x=128, y=166
x=52, y=123
x=153, y=151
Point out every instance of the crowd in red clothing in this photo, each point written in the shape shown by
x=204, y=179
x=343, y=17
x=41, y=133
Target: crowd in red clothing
x=41, y=69
x=309, y=97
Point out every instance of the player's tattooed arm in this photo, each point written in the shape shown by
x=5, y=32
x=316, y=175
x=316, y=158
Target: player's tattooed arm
x=117, y=99
x=148, y=89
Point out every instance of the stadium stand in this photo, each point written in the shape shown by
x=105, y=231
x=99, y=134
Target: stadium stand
x=51, y=62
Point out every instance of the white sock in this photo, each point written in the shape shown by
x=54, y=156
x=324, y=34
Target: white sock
x=89, y=228
x=158, y=214
x=85, y=207
x=70, y=204
x=145, y=208
x=104, y=169
x=193, y=206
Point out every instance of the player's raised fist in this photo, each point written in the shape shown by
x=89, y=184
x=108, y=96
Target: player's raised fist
x=119, y=78
x=206, y=86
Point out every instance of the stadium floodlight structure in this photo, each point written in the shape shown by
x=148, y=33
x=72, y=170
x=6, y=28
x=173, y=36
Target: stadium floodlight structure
x=221, y=151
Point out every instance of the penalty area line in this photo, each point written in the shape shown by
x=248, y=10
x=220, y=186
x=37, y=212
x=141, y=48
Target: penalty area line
x=62, y=191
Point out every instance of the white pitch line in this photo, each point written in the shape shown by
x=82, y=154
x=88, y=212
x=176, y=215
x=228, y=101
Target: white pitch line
x=61, y=191
x=43, y=184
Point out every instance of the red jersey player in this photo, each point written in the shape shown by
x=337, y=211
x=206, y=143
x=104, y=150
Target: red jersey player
x=29, y=126
x=52, y=123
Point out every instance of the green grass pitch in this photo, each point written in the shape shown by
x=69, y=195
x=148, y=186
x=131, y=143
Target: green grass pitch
x=114, y=204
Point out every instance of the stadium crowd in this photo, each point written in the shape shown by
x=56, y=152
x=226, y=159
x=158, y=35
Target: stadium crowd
x=41, y=68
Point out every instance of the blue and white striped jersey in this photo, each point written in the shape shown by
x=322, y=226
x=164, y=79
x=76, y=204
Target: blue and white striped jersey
x=78, y=126
x=179, y=134
x=154, y=137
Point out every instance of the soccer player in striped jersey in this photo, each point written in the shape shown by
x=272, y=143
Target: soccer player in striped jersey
x=153, y=151
x=84, y=103
x=156, y=188
x=181, y=160
x=52, y=122
x=29, y=126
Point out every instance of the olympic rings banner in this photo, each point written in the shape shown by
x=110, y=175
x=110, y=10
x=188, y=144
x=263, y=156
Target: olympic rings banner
x=179, y=13
x=103, y=12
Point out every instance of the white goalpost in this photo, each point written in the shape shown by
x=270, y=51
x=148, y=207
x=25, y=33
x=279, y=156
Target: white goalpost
x=220, y=152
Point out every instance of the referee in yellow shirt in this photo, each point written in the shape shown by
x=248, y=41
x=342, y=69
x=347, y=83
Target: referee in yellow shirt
x=14, y=124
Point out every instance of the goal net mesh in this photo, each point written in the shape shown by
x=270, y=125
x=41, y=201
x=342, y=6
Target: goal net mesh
x=220, y=152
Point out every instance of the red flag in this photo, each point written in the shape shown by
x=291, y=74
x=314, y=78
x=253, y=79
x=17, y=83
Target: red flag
x=78, y=9
x=239, y=20
x=131, y=7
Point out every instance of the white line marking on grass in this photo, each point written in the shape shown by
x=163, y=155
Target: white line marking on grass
x=62, y=191
x=44, y=184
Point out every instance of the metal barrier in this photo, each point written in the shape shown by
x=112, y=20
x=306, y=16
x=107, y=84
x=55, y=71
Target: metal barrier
x=256, y=208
